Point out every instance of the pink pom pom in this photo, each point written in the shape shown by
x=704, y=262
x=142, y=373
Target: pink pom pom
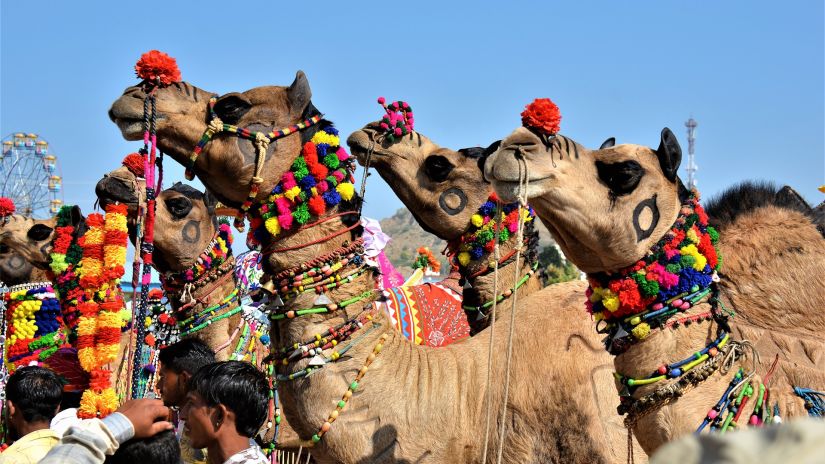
x=656, y=306
x=513, y=227
x=285, y=220
x=404, y=105
x=339, y=176
x=288, y=180
x=397, y=131
x=342, y=154
x=384, y=125
x=381, y=100
x=283, y=205
x=322, y=187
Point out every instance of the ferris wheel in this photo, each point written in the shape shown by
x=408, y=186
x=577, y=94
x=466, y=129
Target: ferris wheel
x=30, y=175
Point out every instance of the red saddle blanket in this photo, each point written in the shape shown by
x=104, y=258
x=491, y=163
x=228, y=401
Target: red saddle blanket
x=427, y=314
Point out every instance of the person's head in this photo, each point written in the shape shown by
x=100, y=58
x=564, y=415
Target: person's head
x=162, y=448
x=178, y=363
x=225, y=399
x=32, y=398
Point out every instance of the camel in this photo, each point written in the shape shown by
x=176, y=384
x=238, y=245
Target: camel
x=16, y=267
x=427, y=177
x=608, y=207
x=440, y=416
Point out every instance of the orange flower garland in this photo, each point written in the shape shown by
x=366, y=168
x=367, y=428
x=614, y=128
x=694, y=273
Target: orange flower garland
x=98, y=329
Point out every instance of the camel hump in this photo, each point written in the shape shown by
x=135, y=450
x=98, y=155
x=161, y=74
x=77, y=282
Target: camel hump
x=747, y=196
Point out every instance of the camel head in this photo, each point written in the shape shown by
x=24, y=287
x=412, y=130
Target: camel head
x=442, y=187
x=606, y=207
x=185, y=220
x=227, y=163
x=25, y=245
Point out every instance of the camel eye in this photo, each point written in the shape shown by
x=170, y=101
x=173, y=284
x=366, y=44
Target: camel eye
x=178, y=207
x=622, y=178
x=437, y=168
x=39, y=232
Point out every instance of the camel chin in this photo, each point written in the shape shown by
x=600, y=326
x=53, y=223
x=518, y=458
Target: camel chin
x=131, y=129
x=509, y=191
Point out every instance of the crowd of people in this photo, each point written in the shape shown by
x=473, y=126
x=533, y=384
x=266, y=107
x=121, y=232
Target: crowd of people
x=220, y=406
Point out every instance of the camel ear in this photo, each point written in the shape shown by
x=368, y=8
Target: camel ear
x=790, y=197
x=76, y=216
x=608, y=143
x=669, y=154
x=299, y=93
x=231, y=107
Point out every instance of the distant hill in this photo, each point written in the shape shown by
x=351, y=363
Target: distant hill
x=407, y=236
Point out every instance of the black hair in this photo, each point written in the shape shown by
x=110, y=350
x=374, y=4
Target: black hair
x=240, y=387
x=187, y=355
x=747, y=196
x=36, y=391
x=162, y=448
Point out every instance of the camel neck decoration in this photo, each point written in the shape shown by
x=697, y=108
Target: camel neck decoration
x=210, y=260
x=482, y=235
x=319, y=178
x=33, y=331
x=677, y=273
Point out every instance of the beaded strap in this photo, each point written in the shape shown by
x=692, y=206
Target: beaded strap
x=507, y=293
x=333, y=416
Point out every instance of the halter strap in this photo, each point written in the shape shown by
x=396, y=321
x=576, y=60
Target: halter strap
x=261, y=140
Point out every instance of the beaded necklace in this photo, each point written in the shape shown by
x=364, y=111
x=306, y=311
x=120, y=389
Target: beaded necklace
x=319, y=178
x=507, y=293
x=677, y=273
x=210, y=315
x=216, y=253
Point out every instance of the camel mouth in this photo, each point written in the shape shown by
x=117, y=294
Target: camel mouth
x=111, y=190
x=128, y=116
x=362, y=142
x=510, y=190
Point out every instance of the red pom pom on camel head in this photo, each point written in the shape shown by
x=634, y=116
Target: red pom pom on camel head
x=157, y=68
x=543, y=116
x=6, y=207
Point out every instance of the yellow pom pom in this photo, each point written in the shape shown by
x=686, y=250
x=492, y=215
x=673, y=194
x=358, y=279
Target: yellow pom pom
x=699, y=262
x=641, y=331
x=610, y=301
x=477, y=220
x=273, y=226
x=346, y=190
x=692, y=236
x=323, y=137
x=292, y=193
x=464, y=258
x=147, y=322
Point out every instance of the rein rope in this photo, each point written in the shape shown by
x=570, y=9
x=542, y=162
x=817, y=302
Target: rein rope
x=522, y=200
x=261, y=141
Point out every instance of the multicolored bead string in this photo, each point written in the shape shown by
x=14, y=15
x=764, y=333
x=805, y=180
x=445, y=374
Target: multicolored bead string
x=210, y=315
x=677, y=369
x=324, y=309
x=507, y=293
x=333, y=416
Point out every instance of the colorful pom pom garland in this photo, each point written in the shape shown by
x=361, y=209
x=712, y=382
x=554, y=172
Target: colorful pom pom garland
x=319, y=178
x=683, y=263
x=217, y=252
x=34, y=329
x=398, y=121
x=484, y=225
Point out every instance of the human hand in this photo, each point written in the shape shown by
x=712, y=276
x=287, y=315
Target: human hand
x=148, y=416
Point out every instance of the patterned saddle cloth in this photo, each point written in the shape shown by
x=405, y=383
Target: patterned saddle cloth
x=427, y=314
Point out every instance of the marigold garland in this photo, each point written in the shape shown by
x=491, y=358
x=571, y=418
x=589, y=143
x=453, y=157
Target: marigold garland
x=684, y=260
x=426, y=259
x=88, y=282
x=319, y=178
x=481, y=236
x=542, y=115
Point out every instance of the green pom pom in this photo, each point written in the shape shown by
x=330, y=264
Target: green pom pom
x=649, y=287
x=299, y=163
x=673, y=268
x=718, y=262
x=714, y=235
x=639, y=277
x=503, y=235
x=300, y=173
x=333, y=182
x=484, y=236
x=687, y=261
x=331, y=161
x=301, y=214
x=690, y=220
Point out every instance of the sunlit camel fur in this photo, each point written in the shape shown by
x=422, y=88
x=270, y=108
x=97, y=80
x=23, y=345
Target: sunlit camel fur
x=773, y=271
x=415, y=403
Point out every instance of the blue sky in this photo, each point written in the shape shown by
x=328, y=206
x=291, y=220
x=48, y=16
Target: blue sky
x=750, y=72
